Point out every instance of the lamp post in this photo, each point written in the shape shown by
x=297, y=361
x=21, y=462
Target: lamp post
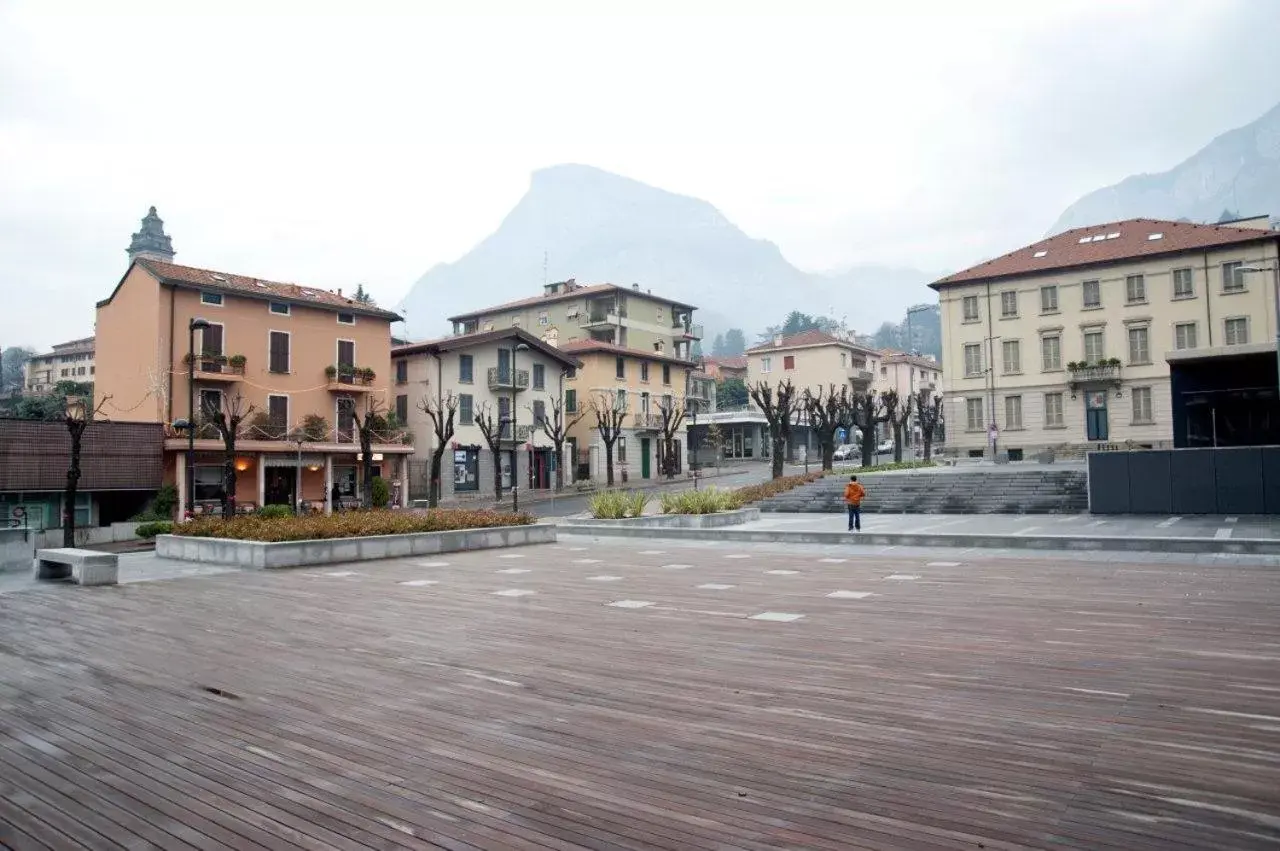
x=697, y=468
x=515, y=453
x=1275, y=287
x=77, y=419
x=911, y=369
x=192, y=326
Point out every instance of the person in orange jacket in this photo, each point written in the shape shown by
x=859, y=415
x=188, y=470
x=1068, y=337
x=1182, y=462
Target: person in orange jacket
x=853, y=494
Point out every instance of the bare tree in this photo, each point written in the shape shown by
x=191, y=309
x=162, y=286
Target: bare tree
x=610, y=411
x=868, y=412
x=227, y=419
x=369, y=424
x=930, y=413
x=490, y=425
x=556, y=427
x=779, y=408
x=672, y=413
x=714, y=440
x=441, y=411
x=826, y=412
x=76, y=426
x=898, y=410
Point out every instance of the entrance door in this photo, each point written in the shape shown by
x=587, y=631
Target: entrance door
x=644, y=457
x=1095, y=415
x=280, y=482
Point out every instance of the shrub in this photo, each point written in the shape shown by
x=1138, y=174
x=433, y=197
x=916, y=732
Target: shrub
x=755, y=493
x=348, y=524
x=274, y=512
x=636, y=501
x=166, y=501
x=150, y=530
x=887, y=468
x=608, y=505
x=237, y=361
x=708, y=501
x=381, y=492
x=331, y=372
x=315, y=427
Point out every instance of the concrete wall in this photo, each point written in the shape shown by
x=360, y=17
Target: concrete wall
x=1243, y=480
x=17, y=547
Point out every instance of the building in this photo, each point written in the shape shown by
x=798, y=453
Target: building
x=568, y=311
x=639, y=381
x=725, y=368
x=485, y=372
x=69, y=361
x=907, y=374
x=1141, y=332
x=305, y=361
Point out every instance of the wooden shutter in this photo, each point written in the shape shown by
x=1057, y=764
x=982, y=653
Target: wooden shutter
x=211, y=340
x=279, y=352
x=278, y=412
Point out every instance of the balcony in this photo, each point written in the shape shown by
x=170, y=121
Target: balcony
x=218, y=368
x=861, y=377
x=600, y=319
x=344, y=378
x=647, y=422
x=524, y=433
x=501, y=379
x=1100, y=374
x=688, y=330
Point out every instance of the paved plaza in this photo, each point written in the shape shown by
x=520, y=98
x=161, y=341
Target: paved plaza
x=650, y=694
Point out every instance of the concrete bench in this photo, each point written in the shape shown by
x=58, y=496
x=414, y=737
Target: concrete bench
x=85, y=567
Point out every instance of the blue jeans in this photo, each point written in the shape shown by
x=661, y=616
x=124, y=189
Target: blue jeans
x=855, y=518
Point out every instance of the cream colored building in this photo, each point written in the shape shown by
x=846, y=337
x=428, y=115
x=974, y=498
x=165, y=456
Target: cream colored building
x=70, y=361
x=1066, y=343
x=486, y=372
x=909, y=374
x=814, y=360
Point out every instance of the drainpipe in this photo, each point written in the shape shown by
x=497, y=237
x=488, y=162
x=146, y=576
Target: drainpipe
x=173, y=296
x=991, y=370
x=1208, y=294
x=436, y=484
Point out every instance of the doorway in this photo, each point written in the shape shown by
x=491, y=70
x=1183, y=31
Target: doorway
x=644, y=457
x=1095, y=415
x=280, y=485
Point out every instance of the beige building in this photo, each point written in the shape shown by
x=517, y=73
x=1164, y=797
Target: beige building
x=908, y=374
x=814, y=360
x=300, y=356
x=70, y=361
x=1067, y=343
x=485, y=372
x=567, y=311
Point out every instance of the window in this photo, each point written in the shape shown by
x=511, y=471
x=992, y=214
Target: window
x=539, y=377
x=1009, y=303
x=210, y=402
x=466, y=409
x=278, y=360
x=539, y=413
x=64, y=372
x=644, y=371
x=1094, y=349
x=1135, y=289
x=973, y=359
x=208, y=483
x=620, y=368
x=402, y=372
x=620, y=400
x=279, y=308
x=1091, y=292
x=1012, y=356
x=278, y=413
x=622, y=450
x=466, y=369
x=571, y=373
x=766, y=364
x=644, y=404
x=973, y=415
x=214, y=299
x=1139, y=346
x=1049, y=299
x=1013, y=412
x=1051, y=352
x=1141, y=404
x=1184, y=335
x=666, y=373
x=1053, y=410
x=402, y=409
x=91, y=369
x=1232, y=277
x=970, y=304
x=1183, y=286
x=788, y=362
x=571, y=401
x=504, y=417
x=346, y=319
x=1237, y=331
x=844, y=359
x=211, y=344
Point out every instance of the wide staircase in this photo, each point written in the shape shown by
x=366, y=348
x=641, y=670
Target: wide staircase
x=929, y=492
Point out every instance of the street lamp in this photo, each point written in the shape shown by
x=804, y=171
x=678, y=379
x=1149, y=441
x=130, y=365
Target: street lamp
x=77, y=419
x=1275, y=286
x=192, y=326
x=697, y=468
x=515, y=452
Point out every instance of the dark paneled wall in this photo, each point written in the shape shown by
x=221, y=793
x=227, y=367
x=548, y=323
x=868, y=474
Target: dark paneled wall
x=1243, y=480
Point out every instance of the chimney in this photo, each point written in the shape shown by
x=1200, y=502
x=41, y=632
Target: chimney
x=339, y=292
x=635, y=287
x=777, y=339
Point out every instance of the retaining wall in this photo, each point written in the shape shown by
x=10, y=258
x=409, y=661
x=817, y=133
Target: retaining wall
x=1237, y=480
x=681, y=521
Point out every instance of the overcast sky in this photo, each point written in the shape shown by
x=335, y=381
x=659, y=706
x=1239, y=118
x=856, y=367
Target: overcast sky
x=294, y=143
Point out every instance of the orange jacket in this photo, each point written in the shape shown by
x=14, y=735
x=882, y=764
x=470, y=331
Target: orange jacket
x=854, y=492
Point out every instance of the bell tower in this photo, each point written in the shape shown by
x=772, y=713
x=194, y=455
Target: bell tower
x=151, y=241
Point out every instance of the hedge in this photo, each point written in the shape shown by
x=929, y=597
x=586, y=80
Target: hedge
x=348, y=524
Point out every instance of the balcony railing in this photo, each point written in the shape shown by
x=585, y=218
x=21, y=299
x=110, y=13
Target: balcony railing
x=501, y=379
x=861, y=376
x=650, y=422
x=345, y=377
x=1083, y=374
x=693, y=332
x=209, y=365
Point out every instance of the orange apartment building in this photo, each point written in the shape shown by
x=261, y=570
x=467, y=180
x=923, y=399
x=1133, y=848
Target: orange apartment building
x=301, y=357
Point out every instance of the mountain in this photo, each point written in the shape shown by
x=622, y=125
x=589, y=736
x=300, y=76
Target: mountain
x=1239, y=170
x=599, y=227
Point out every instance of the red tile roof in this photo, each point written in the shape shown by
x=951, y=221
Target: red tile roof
x=587, y=346
x=732, y=362
x=578, y=291
x=207, y=279
x=812, y=337
x=1107, y=243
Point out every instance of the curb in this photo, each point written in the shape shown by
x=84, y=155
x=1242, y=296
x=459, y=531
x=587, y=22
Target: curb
x=719, y=519
x=959, y=540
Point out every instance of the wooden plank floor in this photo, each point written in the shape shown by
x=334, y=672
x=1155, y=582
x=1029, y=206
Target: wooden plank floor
x=983, y=704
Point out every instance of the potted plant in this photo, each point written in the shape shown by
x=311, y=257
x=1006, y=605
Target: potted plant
x=1073, y=366
x=1113, y=362
x=331, y=372
x=368, y=374
x=237, y=361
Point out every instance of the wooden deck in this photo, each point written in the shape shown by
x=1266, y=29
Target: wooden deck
x=991, y=704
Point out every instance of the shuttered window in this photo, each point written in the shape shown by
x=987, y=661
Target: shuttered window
x=279, y=352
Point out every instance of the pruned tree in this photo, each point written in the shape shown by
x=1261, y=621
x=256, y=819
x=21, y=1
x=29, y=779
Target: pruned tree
x=610, y=410
x=672, y=413
x=779, y=408
x=827, y=411
x=227, y=418
x=556, y=428
x=898, y=409
x=77, y=413
x=868, y=412
x=929, y=409
x=369, y=425
x=441, y=410
x=490, y=425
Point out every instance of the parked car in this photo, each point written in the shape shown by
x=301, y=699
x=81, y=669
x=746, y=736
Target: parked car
x=885, y=446
x=845, y=452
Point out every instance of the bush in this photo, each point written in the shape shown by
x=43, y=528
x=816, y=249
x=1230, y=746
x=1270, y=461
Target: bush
x=165, y=502
x=274, y=512
x=150, y=530
x=636, y=501
x=888, y=468
x=348, y=524
x=755, y=493
x=708, y=501
x=608, y=505
x=381, y=492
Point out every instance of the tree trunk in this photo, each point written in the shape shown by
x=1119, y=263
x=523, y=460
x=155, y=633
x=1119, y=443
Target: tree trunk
x=559, y=465
x=828, y=447
x=73, y=479
x=229, y=477
x=497, y=473
x=366, y=452
x=928, y=445
x=779, y=453
x=608, y=464
x=897, y=442
x=868, y=443
x=433, y=486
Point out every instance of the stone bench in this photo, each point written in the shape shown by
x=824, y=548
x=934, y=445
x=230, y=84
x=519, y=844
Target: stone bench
x=84, y=567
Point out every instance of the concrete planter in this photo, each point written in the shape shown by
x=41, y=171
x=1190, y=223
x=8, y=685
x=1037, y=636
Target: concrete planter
x=680, y=521
x=257, y=554
x=17, y=546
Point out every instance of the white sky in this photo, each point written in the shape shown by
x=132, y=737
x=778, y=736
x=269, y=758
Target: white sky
x=306, y=145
